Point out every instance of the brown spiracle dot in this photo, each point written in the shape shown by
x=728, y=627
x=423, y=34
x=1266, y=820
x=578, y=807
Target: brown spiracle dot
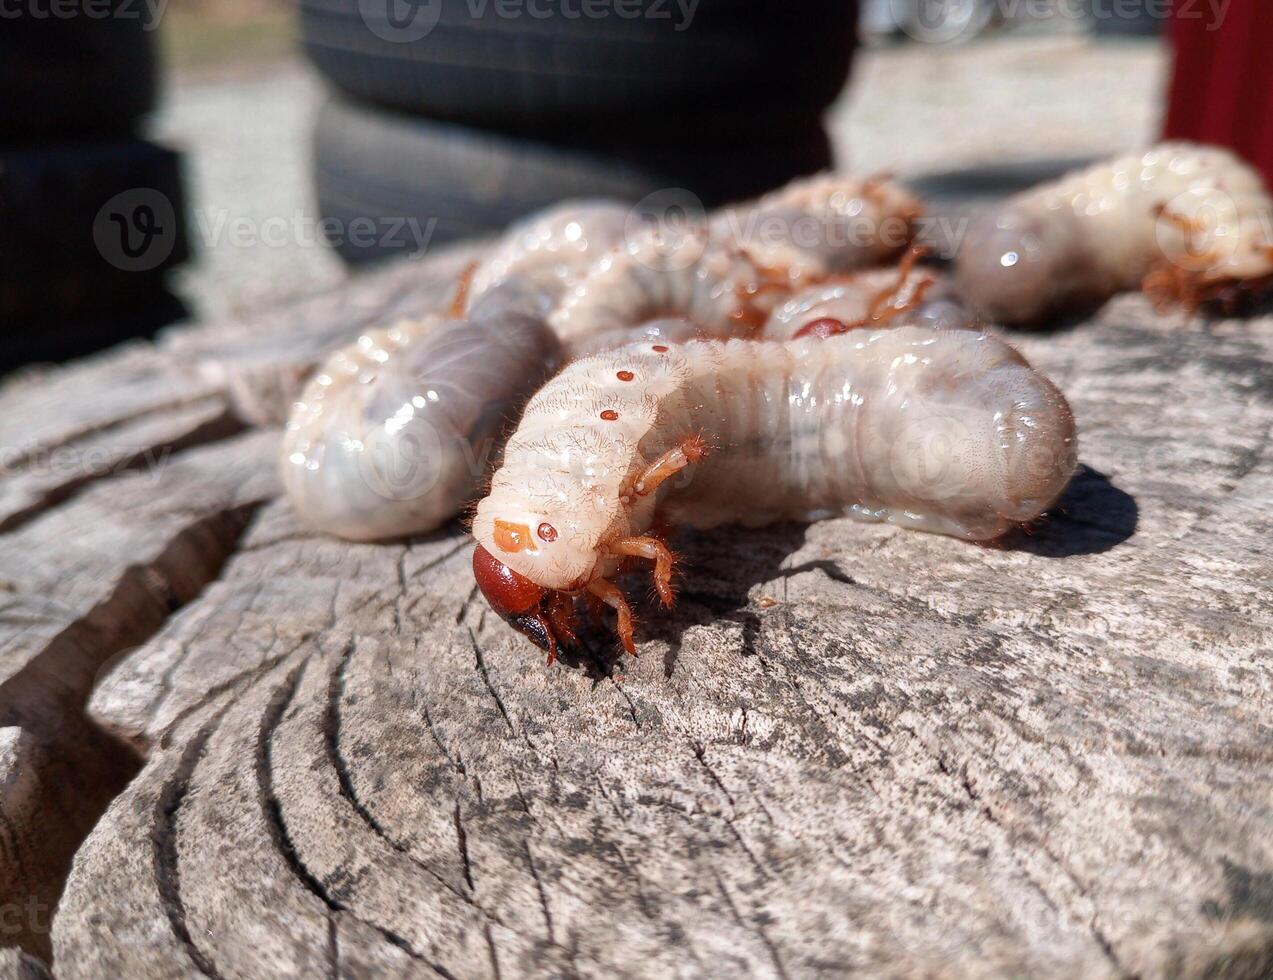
x=610, y=415
x=659, y=349
x=625, y=375
x=547, y=532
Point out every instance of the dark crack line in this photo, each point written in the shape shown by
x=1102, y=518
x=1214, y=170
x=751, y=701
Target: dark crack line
x=983, y=807
x=455, y=762
x=490, y=946
x=700, y=754
x=165, y=858
x=331, y=738
x=543, y=894
x=218, y=429
x=244, y=679
x=756, y=930
x=464, y=606
x=462, y=839
x=36, y=450
x=486, y=679
x=264, y=764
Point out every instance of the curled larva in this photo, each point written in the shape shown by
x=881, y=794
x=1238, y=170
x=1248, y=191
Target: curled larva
x=1188, y=223
x=392, y=435
x=665, y=273
x=822, y=226
x=549, y=251
x=941, y=430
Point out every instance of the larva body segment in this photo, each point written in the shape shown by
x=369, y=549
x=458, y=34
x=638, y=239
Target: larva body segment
x=549, y=251
x=822, y=226
x=1188, y=222
x=659, y=274
x=945, y=431
x=668, y=330
x=393, y=434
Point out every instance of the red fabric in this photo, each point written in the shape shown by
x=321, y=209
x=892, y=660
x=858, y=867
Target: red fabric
x=1222, y=82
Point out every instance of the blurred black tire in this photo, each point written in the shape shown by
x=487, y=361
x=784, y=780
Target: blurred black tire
x=727, y=70
x=1130, y=18
x=87, y=227
x=389, y=184
x=88, y=75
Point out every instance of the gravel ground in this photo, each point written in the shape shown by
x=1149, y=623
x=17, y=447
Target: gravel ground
x=912, y=109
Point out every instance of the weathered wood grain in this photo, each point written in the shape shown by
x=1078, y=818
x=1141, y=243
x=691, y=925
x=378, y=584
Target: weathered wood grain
x=81, y=584
x=850, y=748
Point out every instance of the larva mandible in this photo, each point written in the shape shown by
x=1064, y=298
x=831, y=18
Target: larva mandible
x=1188, y=223
x=390, y=436
x=941, y=430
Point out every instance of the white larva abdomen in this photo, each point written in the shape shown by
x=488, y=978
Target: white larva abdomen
x=940, y=430
x=550, y=250
x=656, y=275
x=822, y=226
x=1197, y=211
x=394, y=434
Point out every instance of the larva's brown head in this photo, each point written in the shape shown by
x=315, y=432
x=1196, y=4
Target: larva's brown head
x=519, y=602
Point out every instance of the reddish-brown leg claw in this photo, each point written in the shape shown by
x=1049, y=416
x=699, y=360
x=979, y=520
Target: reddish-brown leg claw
x=609, y=593
x=689, y=450
x=656, y=551
x=561, y=617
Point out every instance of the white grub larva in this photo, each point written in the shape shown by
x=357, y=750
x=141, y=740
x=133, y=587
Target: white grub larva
x=549, y=251
x=822, y=226
x=1188, y=223
x=391, y=435
x=940, y=430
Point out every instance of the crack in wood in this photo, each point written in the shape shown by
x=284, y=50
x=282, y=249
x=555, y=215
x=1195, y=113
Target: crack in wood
x=273, y=715
x=217, y=429
x=164, y=854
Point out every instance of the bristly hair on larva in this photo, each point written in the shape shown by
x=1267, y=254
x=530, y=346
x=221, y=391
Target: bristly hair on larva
x=949, y=431
x=1186, y=223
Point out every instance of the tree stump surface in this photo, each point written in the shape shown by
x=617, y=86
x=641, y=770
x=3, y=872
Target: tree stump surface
x=230, y=747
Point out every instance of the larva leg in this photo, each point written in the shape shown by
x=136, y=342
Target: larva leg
x=596, y=608
x=657, y=552
x=897, y=298
x=460, y=301
x=689, y=450
x=561, y=615
x=609, y=593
